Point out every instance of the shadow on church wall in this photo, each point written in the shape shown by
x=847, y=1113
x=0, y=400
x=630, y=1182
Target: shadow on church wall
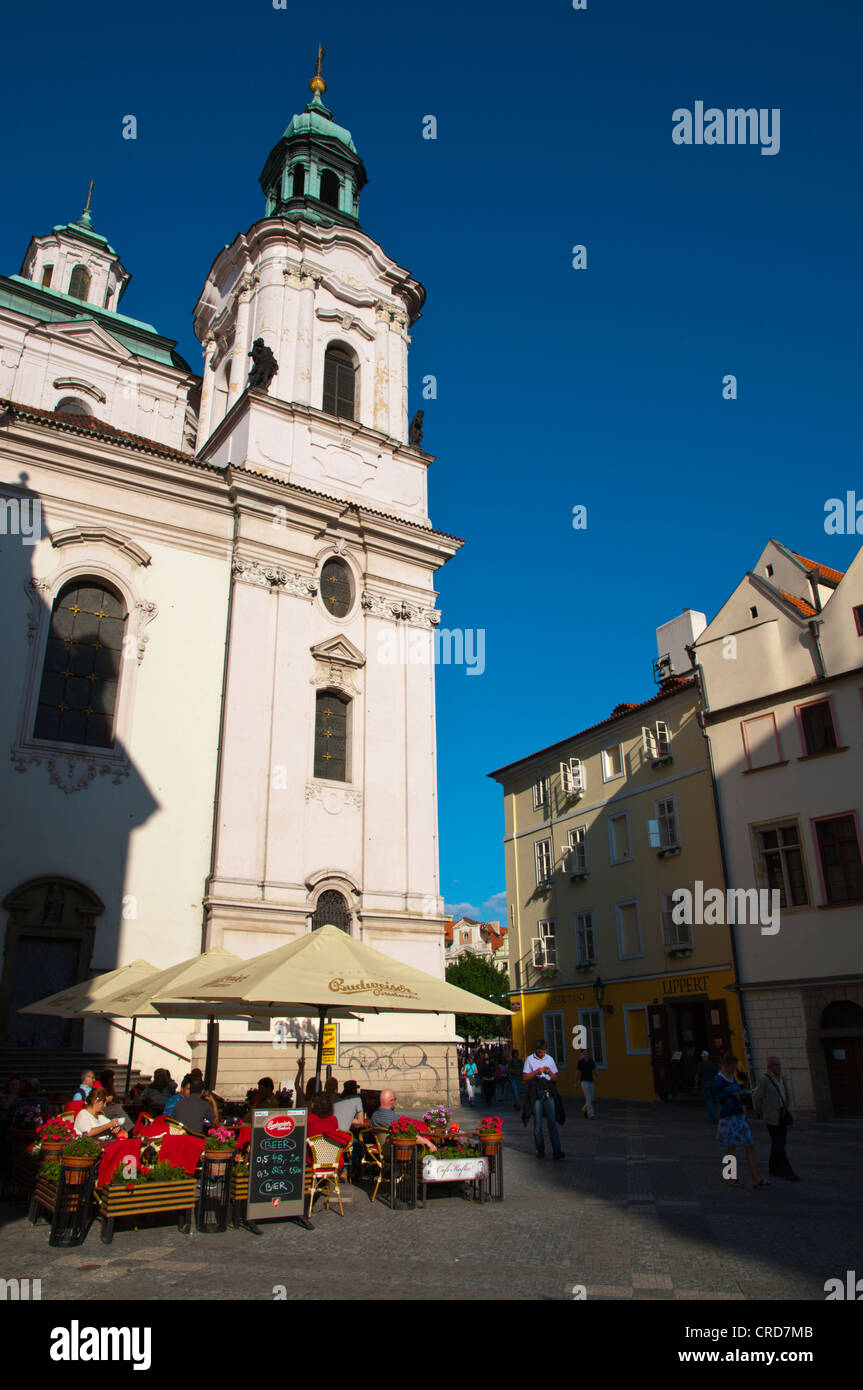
x=71, y=794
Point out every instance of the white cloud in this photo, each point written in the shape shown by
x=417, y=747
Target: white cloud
x=493, y=908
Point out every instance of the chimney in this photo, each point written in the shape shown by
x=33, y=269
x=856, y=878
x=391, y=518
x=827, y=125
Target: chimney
x=673, y=638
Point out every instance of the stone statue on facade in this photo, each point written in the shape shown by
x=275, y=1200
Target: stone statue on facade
x=415, y=434
x=264, y=366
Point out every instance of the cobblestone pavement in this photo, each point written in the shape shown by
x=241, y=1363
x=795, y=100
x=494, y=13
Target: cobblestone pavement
x=638, y=1210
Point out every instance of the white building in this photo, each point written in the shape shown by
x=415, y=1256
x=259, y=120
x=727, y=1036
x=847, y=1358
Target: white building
x=211, y=741
x=782, y=666
x=468, y=936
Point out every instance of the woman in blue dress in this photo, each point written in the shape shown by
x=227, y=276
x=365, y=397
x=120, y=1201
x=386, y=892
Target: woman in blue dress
x=733, y=1129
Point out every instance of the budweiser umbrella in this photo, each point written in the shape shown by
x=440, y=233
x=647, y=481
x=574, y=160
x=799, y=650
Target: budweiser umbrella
x=326, y=971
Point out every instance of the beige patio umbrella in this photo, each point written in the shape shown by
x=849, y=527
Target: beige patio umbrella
x=326, y=971
x=143, y=998
x=68, y=1003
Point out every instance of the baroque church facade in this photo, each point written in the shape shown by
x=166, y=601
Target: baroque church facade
x=210, y=743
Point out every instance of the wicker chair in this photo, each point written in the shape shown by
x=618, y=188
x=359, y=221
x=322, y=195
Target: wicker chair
x=324, y=1173
x=375, y=1154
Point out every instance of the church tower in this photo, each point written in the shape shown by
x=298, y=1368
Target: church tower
x=327, y=799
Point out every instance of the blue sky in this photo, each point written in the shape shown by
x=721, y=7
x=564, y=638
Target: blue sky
x=556, y=386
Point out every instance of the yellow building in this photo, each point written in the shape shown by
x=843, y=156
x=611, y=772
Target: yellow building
x=601, y=828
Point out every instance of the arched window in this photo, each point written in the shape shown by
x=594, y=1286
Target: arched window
x=339, y=383
x=331, y=910
x=330, y=188
x=336, y=591
x=842, y=1013
x=79, y=284
x=298, y=181
x=71, y=405
x=78, y=695
x=331, y=736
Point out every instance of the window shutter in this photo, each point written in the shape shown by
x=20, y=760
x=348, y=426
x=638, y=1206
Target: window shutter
x=663, y=739
x=648, y=743
x=566, y=779
x=578, y=773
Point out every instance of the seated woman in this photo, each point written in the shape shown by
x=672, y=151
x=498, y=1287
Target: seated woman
x=90, y=1120
x=114, y=1111
x=323, y=1121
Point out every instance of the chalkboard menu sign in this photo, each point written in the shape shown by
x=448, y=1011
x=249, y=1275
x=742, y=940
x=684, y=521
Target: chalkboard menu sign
x=277, y=1164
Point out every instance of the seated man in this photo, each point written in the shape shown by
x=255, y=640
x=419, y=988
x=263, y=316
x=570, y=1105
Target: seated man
x=351, y=1117
x=386, y=1114
x=192, y=1110
x=88, y=1081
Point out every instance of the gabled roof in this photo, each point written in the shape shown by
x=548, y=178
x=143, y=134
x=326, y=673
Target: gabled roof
x=800, y=603
x=672, y=685
x=822, y=572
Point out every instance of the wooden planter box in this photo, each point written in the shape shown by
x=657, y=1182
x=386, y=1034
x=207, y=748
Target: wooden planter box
x=116, y=1201
x=239, y=1187
x=45, y=1193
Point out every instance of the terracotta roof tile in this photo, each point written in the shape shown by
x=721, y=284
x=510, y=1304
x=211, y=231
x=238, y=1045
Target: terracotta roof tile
x=670, y=686
x=800, y=603
x=830, y=576
x=90, y=425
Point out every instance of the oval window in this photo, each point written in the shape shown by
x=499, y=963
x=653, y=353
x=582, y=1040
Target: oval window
x=336, y=588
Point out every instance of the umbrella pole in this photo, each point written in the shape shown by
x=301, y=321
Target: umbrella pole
x=211, y=1065
x=322, y=1014
x=129, y=1063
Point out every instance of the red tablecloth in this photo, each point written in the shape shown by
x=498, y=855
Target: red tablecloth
x=244, y=1137
x=183, y=1150
x=113, y=1157
x=150, y=1128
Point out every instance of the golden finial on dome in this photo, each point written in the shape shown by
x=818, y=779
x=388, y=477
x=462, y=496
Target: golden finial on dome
x=317, y=84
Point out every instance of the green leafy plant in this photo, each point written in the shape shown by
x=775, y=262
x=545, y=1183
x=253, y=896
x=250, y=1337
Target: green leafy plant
x=159, y=1172
x=456, y=1151
x=82, y=1147
x=49, y=1170
x=479, y=977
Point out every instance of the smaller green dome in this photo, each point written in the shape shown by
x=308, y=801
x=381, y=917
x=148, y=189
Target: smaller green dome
x=316, y=119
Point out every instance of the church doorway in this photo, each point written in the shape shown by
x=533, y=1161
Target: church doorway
x=49, y=945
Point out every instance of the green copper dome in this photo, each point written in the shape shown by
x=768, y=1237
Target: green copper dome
x=314, y=173
x=316, y=119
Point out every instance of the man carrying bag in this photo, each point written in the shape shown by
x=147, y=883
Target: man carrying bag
x=771, y=1103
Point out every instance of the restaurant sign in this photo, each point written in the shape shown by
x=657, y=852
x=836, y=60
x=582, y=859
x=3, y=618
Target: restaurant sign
x=685, y=984
x=454, y=1169
x=330, y=1045
x=277, y=1164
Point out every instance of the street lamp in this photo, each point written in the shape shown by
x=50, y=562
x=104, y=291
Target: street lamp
x=599, y=995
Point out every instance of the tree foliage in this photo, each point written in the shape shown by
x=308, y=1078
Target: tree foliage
x=478, y=976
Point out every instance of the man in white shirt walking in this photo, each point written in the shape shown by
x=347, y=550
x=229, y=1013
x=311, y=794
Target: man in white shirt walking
x=540, y=1071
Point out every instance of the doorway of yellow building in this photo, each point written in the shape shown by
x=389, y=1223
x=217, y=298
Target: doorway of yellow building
x=679, y=1032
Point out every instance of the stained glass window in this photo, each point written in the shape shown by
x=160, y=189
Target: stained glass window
x=339, y=375
x=331, y=736
x=336, y=588
x=78, y=695
x=332, y=910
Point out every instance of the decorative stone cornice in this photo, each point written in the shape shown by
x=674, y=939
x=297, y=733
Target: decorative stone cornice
x=399, y=610
x=100, y=535
x=347, y=322
x=34, y=589
x=74, y=383
x=274, y=577
x=72, y=772
x=333, y=799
